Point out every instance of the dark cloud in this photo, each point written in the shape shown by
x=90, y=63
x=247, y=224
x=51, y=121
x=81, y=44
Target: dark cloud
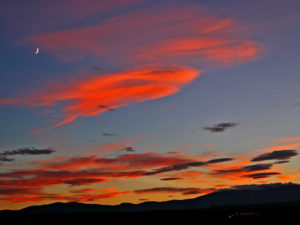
x=170, y=178
x=28, y=151
x=262, y=175
x=109, y=134
x=278, y=155
x=5, y=159
x=261, y=186
x=184, y=166
x=106, y=107
x=220, y=127
x=84, y=181
x=17, y=191
x=128, y=149
x=97, y=68
x=251, y=168
x=282, y=161
x=192, y=192
x=175, y=167
x=287, y=105
x=295, y=104
x=220, y=160
x=184, y=191
x=24, y=151
x=258, y=167
x=9, y=191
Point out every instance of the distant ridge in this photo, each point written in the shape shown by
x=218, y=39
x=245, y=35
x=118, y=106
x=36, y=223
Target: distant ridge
x=236, y=196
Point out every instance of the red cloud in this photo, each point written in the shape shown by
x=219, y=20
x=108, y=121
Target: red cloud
x=121, y=162
x=40, y=178
x=16, y=198
x=166, y=33
x=86, y=97
x=28, y=185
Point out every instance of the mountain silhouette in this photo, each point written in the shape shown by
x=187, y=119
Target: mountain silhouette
x=237, y=196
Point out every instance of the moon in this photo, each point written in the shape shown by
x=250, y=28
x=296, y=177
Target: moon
x=37, y=51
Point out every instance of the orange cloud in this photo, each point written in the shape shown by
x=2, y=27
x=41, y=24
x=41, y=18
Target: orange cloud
x=87, y=97
x=83, y=197
x=121, y=162
x=286, y=139
x=279, y=147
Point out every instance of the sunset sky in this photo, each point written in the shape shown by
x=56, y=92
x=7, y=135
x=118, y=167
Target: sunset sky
x=140, y=100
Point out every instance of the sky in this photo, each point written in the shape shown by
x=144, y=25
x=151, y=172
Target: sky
x=139, y=100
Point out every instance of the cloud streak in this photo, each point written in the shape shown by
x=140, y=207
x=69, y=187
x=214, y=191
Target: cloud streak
x=276, y=155
x=220, y=127
x=262, y=175
x=170, y=33
x=184, y=191
x=24, y=151
x=109, y=134
x=249, y=168
x=170, y=178
x=28, y=151
x=5, y=159
x=183, y=166
x=112, y=90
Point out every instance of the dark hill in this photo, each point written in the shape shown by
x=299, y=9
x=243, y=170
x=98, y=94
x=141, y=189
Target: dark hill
x=252, y=204
x=237, y=196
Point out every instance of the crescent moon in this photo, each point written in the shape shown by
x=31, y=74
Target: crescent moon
x=37, y=51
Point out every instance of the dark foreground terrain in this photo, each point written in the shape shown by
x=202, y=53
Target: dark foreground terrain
x=256, y=214
x=252, y=204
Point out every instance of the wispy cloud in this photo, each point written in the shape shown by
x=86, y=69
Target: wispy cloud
x=28, y=151
x=24, y=151
x=220, y=127
x=112, y=91
x=184, y=191
x=286, y=139
x=169, y=34
x=261, y=175
x=128, y=149
x=109, y=134
x=5, y=159
x=84, y=181
x=183, y=166
x=276, y=155
x=170, y=178
x=97, y=68
x=249, y=168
